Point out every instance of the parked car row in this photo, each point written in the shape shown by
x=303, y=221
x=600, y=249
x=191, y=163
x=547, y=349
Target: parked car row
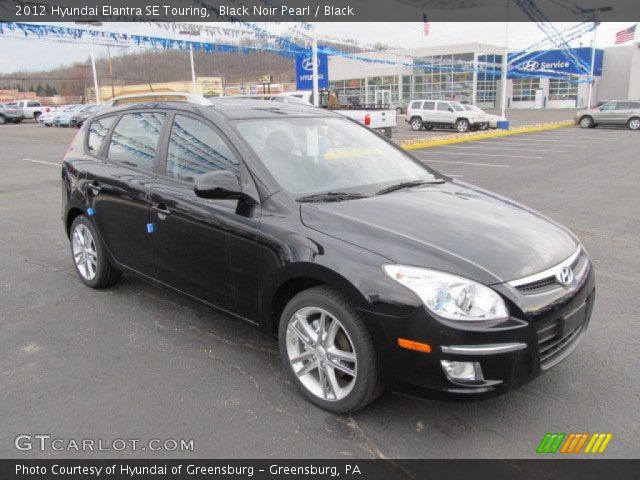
x=68, y=116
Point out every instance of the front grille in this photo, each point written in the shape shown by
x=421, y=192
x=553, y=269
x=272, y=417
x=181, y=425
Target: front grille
x=579, y=266
x=538, y=286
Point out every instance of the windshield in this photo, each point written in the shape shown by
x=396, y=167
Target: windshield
x=315, y=155
x=457, y=106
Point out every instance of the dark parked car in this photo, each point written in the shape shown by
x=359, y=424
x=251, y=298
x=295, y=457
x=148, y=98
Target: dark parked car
x=78, y=118
x=373, y=270
x=10, y=114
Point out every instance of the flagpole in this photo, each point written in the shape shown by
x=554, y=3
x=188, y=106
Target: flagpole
x=593, y=61
x=505, y=64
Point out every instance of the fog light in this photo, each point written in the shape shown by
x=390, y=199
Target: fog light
x=462, y=371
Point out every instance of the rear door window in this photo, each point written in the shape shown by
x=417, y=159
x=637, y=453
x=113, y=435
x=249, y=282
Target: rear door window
x=443, y=107
x=98, y=131
x=415, y=105
x=134, y=141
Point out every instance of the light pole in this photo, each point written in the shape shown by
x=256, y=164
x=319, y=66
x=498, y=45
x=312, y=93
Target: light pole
x=314, y=61
x=594, y=12
x=192, y=32
x=93, y=58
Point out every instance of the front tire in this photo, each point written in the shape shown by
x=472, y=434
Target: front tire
x=586, y=122
x=3, y=120
x=89, y=255
x=416, y=124
x=634, y=123
x=328, y=352
x=462, y=125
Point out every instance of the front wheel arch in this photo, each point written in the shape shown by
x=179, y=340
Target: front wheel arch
x=297, y=277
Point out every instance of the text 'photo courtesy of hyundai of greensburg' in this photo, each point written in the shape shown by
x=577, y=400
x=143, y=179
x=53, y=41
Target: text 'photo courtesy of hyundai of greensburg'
x=373, y=271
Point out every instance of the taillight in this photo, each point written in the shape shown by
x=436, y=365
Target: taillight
x=367, y=119
x=73, y=142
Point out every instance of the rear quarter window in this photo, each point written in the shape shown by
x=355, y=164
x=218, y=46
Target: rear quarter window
x=98, y=131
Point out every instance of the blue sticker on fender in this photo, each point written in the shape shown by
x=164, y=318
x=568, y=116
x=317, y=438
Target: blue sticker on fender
x=91, y=211
x=151, y=227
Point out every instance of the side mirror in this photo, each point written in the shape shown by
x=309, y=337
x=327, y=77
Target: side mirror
x=220, y=185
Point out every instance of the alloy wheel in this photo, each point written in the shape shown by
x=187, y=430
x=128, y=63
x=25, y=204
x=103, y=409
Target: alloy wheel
x=321, y=353
x=84, y=252
x=462, y=126
x=634, y=124
x=585, y=122
x=416, y=124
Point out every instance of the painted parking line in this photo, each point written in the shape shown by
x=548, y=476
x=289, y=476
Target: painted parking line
x=528, y=143
x=504, y=148
x=437, y=152
x=430, y=160
x=526, y=138
x=41, y=161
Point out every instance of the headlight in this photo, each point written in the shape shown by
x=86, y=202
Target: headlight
x=450, y=296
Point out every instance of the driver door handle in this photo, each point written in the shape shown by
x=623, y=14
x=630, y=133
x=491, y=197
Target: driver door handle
x=162, y=209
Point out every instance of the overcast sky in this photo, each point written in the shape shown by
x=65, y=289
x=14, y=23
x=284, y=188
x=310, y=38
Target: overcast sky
x=34, y=54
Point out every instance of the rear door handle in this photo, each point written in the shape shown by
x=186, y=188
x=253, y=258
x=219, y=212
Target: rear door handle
x=162, y=209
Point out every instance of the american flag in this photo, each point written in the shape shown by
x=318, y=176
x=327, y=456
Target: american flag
x=426, y=26
x=625, y=35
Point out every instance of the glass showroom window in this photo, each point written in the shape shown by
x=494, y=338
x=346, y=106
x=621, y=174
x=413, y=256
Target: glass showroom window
x=387, y=83
x=350, y=92
x=524, y=89
x=562, y=90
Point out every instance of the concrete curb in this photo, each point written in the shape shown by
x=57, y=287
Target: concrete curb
x=471, y=137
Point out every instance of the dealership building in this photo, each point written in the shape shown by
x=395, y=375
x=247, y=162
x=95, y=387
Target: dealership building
x=472, y=73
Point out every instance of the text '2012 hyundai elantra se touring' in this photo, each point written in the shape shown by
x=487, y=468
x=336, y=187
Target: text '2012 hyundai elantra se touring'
x=373, y=270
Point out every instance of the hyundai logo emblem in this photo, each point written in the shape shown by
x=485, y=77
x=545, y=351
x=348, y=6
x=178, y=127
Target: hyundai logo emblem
x=565, y=276
x=529, y=65
x=307, y=64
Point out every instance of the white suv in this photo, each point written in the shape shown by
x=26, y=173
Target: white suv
x=444, y=114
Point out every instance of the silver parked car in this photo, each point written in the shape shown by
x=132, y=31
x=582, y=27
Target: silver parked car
x=615, y=112
x=444, y=114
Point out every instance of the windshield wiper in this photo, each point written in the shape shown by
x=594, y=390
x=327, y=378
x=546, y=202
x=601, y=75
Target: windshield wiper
x=330, y=197
x=409, y=184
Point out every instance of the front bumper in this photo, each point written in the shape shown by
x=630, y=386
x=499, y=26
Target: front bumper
x=509, y=355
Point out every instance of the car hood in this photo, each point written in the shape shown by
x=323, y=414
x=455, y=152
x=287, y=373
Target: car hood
x=452, y=227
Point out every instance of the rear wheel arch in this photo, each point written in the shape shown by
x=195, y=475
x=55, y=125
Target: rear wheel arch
x=72, y=214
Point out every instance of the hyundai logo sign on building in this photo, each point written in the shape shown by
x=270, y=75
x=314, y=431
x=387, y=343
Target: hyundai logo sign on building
x=553, y=63
x=304, y=71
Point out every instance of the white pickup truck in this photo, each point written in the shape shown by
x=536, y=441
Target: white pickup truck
x=381, y=119
x=31, y=108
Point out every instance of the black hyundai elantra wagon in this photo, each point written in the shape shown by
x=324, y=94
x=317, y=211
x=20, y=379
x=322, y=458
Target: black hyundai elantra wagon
x=373, y=270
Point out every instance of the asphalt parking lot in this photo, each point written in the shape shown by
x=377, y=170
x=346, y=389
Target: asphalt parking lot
x=140, y=362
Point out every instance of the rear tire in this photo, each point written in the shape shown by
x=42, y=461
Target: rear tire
x=634, y=123
x=320, y=327
x=416, y=124
x=3, y=120
x=587, y=122
x=36, y=116
x=89, y=255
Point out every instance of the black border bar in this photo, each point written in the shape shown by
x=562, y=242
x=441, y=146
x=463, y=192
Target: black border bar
x=319, y=10
x=533, y=469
